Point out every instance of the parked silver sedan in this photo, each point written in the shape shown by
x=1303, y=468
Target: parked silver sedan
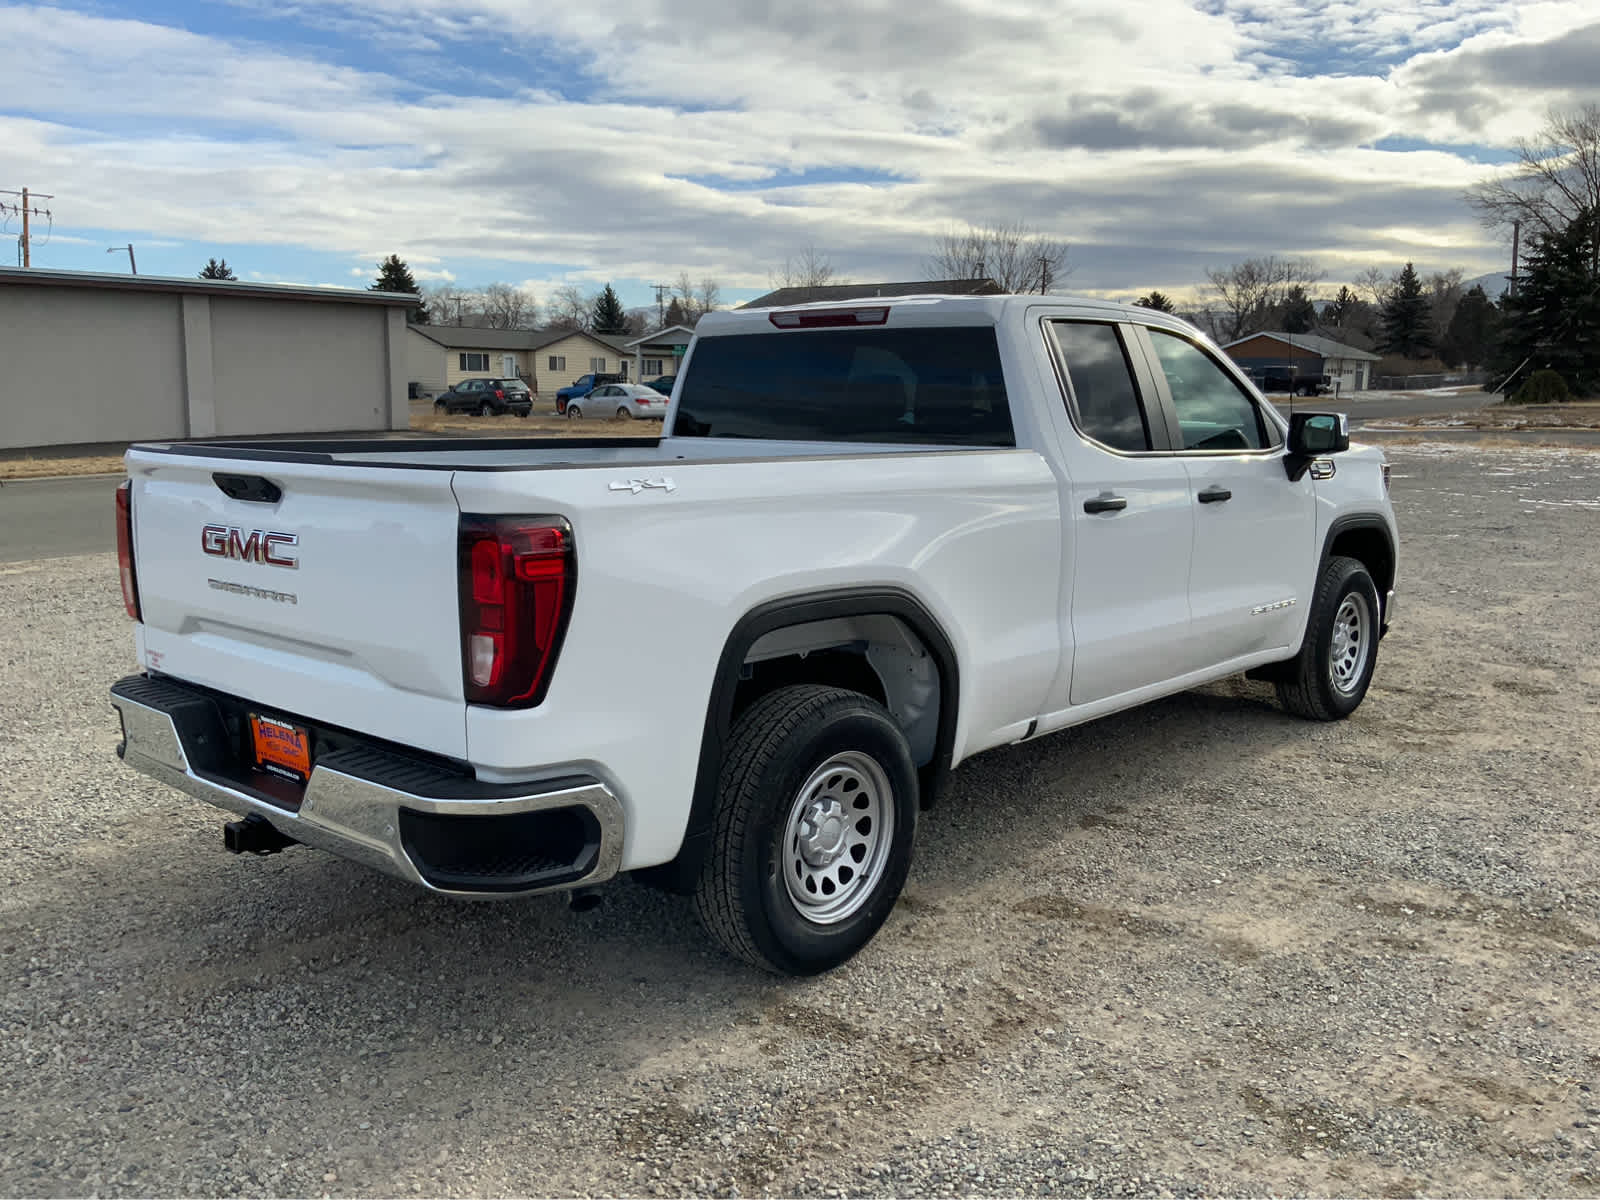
x=626, y=400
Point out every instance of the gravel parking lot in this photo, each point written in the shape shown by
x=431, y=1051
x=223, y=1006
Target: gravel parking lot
x=1200, y=948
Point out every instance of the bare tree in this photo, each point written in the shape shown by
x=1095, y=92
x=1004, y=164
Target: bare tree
x=1444, y=293
x=808, y=269
x=1374, y=286
x=1012, y=253
x=1555, y=182
x=695, y=300
x=569, y=308
x=1252, y=289
x=446, y=304
x=506, y=307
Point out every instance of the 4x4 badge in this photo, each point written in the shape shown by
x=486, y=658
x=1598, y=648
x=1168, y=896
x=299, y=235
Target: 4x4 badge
x=638, y=485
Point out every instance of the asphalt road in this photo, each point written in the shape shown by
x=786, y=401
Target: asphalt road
x=51, y=518
x=1383, y=406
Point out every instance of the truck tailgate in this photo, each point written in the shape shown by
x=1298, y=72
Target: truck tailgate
x=348, y=615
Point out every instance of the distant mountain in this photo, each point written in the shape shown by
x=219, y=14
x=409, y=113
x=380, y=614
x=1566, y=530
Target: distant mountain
x=1493, y=284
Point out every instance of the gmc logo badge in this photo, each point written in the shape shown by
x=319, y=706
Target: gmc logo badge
x=257, y=546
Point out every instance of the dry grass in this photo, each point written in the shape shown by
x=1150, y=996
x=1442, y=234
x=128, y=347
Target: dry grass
x=36, y=468
x=532, y=426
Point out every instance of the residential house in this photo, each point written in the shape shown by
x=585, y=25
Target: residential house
x=440, y=356
x=873, y=291
x=658, y=353
x=1306, y=354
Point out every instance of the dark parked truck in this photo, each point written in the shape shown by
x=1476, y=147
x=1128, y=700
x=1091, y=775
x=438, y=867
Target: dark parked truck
x=739, y=659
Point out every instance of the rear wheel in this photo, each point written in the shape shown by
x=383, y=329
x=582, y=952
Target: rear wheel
x=1328, y=679
x=817, y=810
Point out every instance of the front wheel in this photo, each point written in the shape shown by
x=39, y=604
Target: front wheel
x=1328, y=679
x=816, y=813
x=486, y=409
x=625, y=413
x=439, y=406
x=573, y=412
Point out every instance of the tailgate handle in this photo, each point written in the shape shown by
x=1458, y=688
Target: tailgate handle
x=248, y=487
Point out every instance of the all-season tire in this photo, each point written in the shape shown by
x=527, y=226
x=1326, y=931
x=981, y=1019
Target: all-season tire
x=486, y=409
x=1327, y=680
x=625, y=413
x=573, y=412
x=439, y=406
x=810, y=774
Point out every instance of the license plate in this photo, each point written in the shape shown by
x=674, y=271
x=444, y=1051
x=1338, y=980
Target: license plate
x=281, y=748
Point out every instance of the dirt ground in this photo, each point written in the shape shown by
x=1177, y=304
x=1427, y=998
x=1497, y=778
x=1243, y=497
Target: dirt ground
x=1200, y=948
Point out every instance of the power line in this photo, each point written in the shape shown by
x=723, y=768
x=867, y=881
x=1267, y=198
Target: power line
x=26, y=208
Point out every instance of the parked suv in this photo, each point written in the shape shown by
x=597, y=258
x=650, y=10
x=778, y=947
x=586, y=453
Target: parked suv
x=487, y=398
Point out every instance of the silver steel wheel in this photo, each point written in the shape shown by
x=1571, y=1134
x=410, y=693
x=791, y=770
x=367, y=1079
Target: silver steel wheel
x=837, y=838
x=1351, y=645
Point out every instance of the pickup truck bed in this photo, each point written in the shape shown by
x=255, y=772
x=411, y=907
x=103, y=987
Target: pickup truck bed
x=739, y=659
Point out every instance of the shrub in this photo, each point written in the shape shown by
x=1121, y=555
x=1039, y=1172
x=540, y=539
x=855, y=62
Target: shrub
x=1543, y=387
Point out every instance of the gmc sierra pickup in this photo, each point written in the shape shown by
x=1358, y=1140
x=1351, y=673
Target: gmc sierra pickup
x=876, y=539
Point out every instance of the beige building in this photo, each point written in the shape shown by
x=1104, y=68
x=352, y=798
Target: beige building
x=659, y=353
x=90, y=358
x=440, y=356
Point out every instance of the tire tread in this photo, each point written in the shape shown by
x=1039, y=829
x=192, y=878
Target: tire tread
x=757, y=736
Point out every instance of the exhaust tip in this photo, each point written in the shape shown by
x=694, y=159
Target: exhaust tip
x=583, y=899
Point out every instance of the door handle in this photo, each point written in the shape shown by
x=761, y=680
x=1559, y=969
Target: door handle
x=1215, y=495
x=1105, y=502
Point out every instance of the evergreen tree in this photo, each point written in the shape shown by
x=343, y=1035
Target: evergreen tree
x=1299, y=313
x=217, y=268
x=1157, y=301
x=1470, y=337
x=1553, y=319
x=1407, y=317
x=608, y=314
x=395, y=276
x=1342, y=307
x=676, y=314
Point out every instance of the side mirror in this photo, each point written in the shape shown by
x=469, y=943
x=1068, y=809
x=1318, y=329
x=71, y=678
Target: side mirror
x=1312, y=434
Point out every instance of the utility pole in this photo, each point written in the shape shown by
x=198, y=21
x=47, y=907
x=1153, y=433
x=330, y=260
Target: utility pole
x=28, y=209
x=1044, y=275
x=1516, y=245
x=661, y=304
x=132, y=266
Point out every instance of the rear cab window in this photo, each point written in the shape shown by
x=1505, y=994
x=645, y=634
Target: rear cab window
x=922, y=385
x=1102, y=397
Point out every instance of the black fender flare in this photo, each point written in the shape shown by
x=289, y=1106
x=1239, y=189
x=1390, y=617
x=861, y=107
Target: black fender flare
x=1349, y=522
x=681, y=874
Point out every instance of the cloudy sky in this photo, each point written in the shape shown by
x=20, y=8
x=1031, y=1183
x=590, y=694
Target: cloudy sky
x=628, y=140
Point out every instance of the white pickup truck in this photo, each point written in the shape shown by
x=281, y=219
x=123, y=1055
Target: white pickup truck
x=875, y=540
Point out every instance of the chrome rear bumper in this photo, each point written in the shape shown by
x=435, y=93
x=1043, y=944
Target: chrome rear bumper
x=443, y=831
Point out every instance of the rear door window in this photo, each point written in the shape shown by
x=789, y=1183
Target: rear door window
x=939, y=386
x=1104, y=399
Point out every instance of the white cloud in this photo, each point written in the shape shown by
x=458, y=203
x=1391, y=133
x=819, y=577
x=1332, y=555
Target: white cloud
x=1155, y=137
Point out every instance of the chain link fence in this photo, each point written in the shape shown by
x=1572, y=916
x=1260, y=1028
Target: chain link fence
x=1418, y=383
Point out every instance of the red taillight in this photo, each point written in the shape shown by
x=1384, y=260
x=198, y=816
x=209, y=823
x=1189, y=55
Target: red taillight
x=130, y=582
x=517, y=577
x=828, y=318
